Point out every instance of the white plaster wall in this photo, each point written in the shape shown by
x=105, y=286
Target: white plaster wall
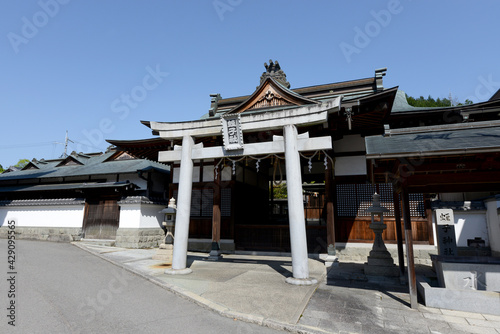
x=130, y=215
x=226, y=174
x=134, y=178
x=350, y=143
x=196, y=174
x=469, y=225
x=208, y=174
x=44, y=216
x=140, y=215
x=493, y=220
x=151, y=216
x=355, y=165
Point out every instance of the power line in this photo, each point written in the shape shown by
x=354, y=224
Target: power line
x=27, y=145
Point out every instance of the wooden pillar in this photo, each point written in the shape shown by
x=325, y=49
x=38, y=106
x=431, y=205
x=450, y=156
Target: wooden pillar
x=215, y=253
x=412, y=281
x=330, y=195
x=399, y=233
x=428, y=214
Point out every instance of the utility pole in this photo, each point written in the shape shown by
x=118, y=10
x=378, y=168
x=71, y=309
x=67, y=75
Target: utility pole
x=66, y=140
x=66, y=144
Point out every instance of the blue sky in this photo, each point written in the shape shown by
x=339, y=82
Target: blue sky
x=97, y=68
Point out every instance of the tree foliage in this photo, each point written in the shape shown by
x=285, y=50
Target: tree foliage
x=1, y=169
x=280, y=191
x=431, y=102
x=21, y=163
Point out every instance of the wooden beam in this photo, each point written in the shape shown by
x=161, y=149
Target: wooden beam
x=412, y=280
x=216, y=214
x=454, y=178
x=399, y=233
x=330, y=194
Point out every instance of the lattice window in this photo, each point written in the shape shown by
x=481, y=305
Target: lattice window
x=364, y=198
x=207, y=202
x=417, y=208
x=354, y=199
x=386, y=197
x=346, y=200
x=202, y=202
x=225, y=202
x=195, y=203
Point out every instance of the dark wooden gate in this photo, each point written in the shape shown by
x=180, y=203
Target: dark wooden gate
x=101, y=219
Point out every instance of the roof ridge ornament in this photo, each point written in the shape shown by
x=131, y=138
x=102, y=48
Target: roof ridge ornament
x=274, y=71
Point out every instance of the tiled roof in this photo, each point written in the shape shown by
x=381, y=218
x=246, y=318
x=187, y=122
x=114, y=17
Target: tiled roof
x=43, y=202
x=93, y=165
x=66, y=186
x=142, y=200
x=458, y=138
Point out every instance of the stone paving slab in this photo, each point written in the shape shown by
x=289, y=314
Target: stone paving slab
x=252, y=288
x=349, y=298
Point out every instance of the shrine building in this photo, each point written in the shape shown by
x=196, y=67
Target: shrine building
x=228, y=165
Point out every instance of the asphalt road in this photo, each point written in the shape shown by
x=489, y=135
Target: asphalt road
x=59, y=288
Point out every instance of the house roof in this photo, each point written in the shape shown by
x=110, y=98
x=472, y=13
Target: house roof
x=401, y=106
x=436, y=140
x=43, y=202
x=83, y=165
x=67, y=186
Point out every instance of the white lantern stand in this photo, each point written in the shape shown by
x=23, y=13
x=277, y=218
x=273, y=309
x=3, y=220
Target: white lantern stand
x=380, y=261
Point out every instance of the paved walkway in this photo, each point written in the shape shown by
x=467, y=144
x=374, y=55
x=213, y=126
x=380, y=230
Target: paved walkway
x=253, y=289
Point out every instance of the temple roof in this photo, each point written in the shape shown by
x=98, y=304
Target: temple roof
x=348, y=89
x=271, y=94
x=273, y=70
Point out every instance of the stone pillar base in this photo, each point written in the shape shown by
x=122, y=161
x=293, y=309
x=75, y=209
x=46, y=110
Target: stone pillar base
x=215, y=255
x=380, y=263
x=301, y=281
x=184, y=271
x=389, y=271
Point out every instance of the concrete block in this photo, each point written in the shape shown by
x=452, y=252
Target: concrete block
x=460, y=300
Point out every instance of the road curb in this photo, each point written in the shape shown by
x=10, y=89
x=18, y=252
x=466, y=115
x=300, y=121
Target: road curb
x=210, y=305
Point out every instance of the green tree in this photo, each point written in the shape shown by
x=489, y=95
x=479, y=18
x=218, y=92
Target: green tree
x=280, y=191
x=430, y=102
x=21, y=163
x=1, y=169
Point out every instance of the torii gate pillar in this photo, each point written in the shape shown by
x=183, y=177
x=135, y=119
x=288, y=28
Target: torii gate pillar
x=183, y=209
x=298, y=240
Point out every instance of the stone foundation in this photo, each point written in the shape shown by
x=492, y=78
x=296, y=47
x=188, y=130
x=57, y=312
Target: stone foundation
x=139, y=237
x=54, y=234
x=359, y=252
x=205, y=245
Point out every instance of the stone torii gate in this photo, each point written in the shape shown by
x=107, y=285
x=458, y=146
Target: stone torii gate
x=232, y=127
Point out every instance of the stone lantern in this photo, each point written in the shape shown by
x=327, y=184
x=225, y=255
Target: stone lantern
x=165, y=251
x=380, y=262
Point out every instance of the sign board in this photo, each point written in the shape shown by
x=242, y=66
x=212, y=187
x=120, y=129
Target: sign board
x=447, y=242
x=445, y=217
x=231, y=132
